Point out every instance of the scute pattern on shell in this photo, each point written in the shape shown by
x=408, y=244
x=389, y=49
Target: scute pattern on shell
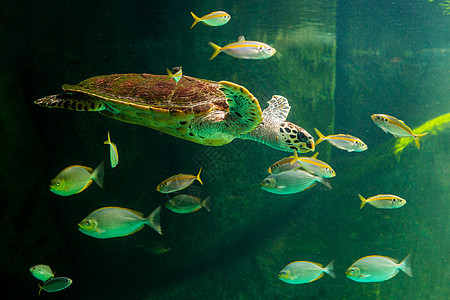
x=154, y=92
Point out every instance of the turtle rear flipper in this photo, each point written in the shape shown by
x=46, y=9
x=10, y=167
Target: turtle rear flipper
x=72, y=101
x=244, y=111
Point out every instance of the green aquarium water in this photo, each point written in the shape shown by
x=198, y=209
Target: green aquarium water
x=336, y=62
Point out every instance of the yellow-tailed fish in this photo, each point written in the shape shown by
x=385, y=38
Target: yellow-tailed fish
x=376, y=268
x=178, y=182
x=42, y=272
x=290, y=182
x=285, y=164
x=110, y=222
x=75, y=179
x=176, y=74
x=183, y=204
x=299, y=272
x=342, y=141
x=55, y=284
x=396, y=127
x=314, y=165
x=216, y=18
x=113, y=154
x=244, y=49
x=383, y=201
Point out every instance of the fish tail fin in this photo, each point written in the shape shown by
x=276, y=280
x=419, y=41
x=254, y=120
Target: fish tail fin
x=329, y=269
x=108, y=142
x=196, y=19
x=154, y=220
x=363, y=201
x=321, y=136
x=206, y=203
x=295, y=157
x=99, y=174
x=170, y=75
x=326, y=182
x=198, y=176
x=405, y=265
x=417, y=137
x=216, y=48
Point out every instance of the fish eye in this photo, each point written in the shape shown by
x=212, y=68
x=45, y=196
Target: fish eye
x=57, y=183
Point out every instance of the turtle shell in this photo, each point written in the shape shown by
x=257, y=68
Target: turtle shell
x=154, y=101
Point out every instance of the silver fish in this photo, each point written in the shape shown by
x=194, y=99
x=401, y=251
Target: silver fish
x=183, y=204
x=216, y=18
x=110, y=222
x=244, y=49
x=290, y=182
x=299, y=272
x=376, y=268
x=75, y=179
x=383, y=201
x=55, y=284
x=42, y=272
x=342, y=141
x=396, y=127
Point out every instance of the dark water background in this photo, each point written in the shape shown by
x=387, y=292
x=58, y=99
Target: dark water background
x=337, y=63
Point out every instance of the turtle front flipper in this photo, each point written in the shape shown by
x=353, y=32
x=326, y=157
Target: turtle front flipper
x=72, y=101
x=278, y=108
x=244, y=111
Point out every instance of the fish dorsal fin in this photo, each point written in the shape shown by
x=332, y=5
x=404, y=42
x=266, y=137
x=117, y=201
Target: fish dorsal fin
x=86, y=168
x=278, y=108
x=315, y=155
x=135, y=212
x=138, y=213
x=317, y=264
x=241, y=38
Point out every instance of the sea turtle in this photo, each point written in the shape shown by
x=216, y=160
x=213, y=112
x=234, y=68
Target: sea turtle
x=202, y=111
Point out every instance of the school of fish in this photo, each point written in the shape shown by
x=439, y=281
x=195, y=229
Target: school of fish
x=288, y=175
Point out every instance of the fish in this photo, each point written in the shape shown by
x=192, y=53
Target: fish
x=113, y=154
x=343, y=141
x=176, y=74
x=244, y=49
x=285, y=164
x=377, y=268
x=396, y=127
x=183, y=204
x=42, y=272
x=314, y=165
x=111, y=221
x=290, y=182
x=216, y=18
x=75, y=179
x=383, y=201
x=153, y=247
x=299, y=272
x=55, y=284
x=178, y=182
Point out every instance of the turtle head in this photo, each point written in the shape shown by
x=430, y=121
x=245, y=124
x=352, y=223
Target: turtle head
x=294, y=138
